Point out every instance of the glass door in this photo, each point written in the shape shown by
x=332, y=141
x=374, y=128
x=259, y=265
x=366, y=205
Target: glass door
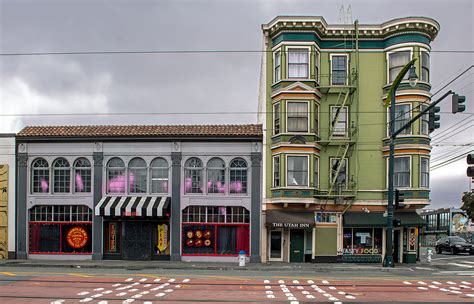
x=276, y=246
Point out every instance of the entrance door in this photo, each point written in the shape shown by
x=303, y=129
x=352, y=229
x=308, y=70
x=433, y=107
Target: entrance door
x=276, y=245
x=297, y=246
x=136, y=241
x=396, y=246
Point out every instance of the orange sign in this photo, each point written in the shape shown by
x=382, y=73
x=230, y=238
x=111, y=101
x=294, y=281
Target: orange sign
x=113, y=237
x=77, y=237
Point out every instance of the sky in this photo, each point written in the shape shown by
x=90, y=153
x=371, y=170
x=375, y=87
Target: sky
x=193, y=86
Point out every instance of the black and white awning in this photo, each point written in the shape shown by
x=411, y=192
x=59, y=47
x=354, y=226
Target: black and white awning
x=133, y=206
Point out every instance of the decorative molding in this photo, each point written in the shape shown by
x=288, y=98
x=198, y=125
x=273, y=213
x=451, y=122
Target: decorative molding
x=22, y=159
x=97, y=146
x=176, y=146
x=98, y=159
x=176, y=158
x=22, y=148
x=256, y=159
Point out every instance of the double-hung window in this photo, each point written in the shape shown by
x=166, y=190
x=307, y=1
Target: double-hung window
x=276, y=118
x=159, y=175
x=316, y=66
x=396, y=62
x=277, y=66
x=316, y=173
x=401, y=175
x=338, y=69
x=298, y=63
x=425, y=121
x=339, y=121
x=316, y=119
x=424, y=172
x=425, y=66
x=341, y=178
x=297, y=117
x=402, y=116
x=297, y=171
x=276, y=171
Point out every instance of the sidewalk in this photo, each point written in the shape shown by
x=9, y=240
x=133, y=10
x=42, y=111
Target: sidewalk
x=139, y=265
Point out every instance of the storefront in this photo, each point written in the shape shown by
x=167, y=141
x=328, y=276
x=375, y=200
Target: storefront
x=135, y=227
x=290, y=235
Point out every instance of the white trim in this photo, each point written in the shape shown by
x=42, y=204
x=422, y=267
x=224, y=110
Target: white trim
x=387, y=58
x=295, y=43
x=307, y=116
x=410, y=105
x=330, y=67
x=287, y=51
x=406, y=45
x=316, y=113
x=270, y=242
x=424, y=50
x=387, y=169
x=286, y=170
x=419, y=185
x=273, y=170
x=273, y=118
x=318, y=64
x=274, y=67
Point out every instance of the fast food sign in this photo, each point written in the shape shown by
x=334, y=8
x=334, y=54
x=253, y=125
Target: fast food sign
x=77, y=237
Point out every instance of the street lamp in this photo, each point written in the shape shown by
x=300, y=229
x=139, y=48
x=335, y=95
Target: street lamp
x=412, y=79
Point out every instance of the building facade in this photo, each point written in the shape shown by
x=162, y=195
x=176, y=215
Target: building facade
x=139, y=192
x=326, y=142
x=7, y=196
x=444, y=222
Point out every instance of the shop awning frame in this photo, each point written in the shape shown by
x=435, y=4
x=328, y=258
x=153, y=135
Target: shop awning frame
x=376, y=219
x=148, y=206
x=290, y=219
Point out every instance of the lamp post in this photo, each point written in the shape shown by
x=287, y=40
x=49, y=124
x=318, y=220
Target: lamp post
x=412, y=79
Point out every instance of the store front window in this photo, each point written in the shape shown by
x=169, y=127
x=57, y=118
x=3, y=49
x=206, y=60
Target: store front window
x=62, y=229
x=362, y=241
x=215, y=230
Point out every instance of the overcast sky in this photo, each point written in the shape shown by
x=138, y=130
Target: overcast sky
x=192, y=83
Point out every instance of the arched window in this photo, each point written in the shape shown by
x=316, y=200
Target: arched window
x=61, y=176
x=82, y=175
x=193, y=175
x=40, y=176
x=116, y=176
x=215, y=176
x=159, y=175
x=137, y=175
x=238, y=176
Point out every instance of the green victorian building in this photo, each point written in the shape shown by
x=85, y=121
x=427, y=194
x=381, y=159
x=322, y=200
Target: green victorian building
x=326, y=143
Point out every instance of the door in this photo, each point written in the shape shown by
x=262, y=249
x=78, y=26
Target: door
x=136, y=240
x=297, y=246
x=396, y=246
x=276, y=246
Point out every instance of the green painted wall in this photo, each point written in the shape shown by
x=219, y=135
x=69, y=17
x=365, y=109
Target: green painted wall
x=326, y=242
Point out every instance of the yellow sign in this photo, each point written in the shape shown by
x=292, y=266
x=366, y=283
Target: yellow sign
x=3, y=211
x=162, y=237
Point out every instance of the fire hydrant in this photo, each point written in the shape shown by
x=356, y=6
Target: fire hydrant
x=429, y=254
x=242, y=258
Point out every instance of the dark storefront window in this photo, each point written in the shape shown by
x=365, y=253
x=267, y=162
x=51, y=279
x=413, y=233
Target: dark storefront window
x=362, y=241
x=61, y=229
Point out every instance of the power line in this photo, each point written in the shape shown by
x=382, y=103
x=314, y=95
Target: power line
x=450, y=161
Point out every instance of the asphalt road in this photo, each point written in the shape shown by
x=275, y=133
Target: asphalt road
x=447, y=279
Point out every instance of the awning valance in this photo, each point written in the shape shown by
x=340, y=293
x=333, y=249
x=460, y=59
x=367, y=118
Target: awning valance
x=133, y=206
x=376, y=219
x=289, y=219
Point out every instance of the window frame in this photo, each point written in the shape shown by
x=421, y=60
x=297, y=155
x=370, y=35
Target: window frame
x=241, y=169
x=75, y=168
x=316, y=172
x=424, y=121
x=276, y=160
x=427, y=173
x=277, y=54
x=201, y=175
x=410, y=110
x=316, y=119
x=67, y=170
x=287, y=166
x=107, y=175
x=317, y=64
x=346, y=161
x=156, y=168
x=331, y=68
x=220, y=175
x=288, y=49
x=422, y=67
x=276, y=116
x=410, y=166
x=131, y=169
x=46, y=169
x=307, y=116
x=346, y=128
x=387, y=58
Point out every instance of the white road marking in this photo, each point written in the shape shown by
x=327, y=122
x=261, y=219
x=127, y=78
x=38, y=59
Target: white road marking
x=147, y=285
x=169, y=290
x=135, y=284
x=433, y=286
x=270, y=296
x=422, y=288
x=292, y=299
x=157, y=280
x=294, y=302
x=325, y=282
x=465, y=283
x=269, y=292
x=57, y=301
x=185, y=280
x=443, y=289
x=86, y=300
x=129, y=279
x=107, y=291
x=285, y=290
x=137, y=296
x=436, y=283
x=128, y=301
x=407, y=283
x=115, y=285
x=268, y=287
x=299, y=287
x=282, y=285
x=97, y=295
x=281, y=282
x=310, y=296
x=337, y=302
x=424, y=268
x=327, y=295
x=321, y=291
x=177, y=286
x=143, y=280
x=464, y=286
x=470, y=295
x=121, y=294
x=171, y=280
x=133, y=290
x=455, y=291
x=461, y=265
x=102, y=302
x=451, y=283
x=83, y=293
x=341, y=292
x=288, y=294
x=310, y=282
x=99, y=289
x=332, y=287
x=160, y=294
x=469, y=262
x=350, y=297
x=305, y=292
x=144, y=292
x=314, y=286
x=333, y=299
x=421, y=283
x=455, y=288
x=296, y=282
x=266, y=281
x=147, y=302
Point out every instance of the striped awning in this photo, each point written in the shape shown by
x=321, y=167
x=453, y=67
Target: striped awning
x=133, y=206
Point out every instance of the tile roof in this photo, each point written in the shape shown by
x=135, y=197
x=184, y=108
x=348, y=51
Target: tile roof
x=143, y=131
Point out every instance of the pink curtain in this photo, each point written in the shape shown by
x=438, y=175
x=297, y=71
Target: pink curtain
x=243, y=239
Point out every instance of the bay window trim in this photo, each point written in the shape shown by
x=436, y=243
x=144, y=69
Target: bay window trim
x=307, y=116
x=410, y=171
x=410, y=106
x=423, y=50
x=276, y=53
x=298, y=47
x=396, y=50
x=274, y=116
x=276, y=160
x=287, y=166
x=427, y=172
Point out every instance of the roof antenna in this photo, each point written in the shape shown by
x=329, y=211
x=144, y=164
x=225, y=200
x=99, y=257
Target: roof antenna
x=342, y=15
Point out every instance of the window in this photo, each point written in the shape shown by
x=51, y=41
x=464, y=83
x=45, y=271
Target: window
x=193, y=176
x=276, y=118
x=396, y=62
x=159, y=176
x=402, y=116
x=116, y=176
x=40, y=176
x=362, y=241
x=276, y=171
x=238, y=176
x=425, y=172
x=62, y=176
x=339, y=121
x=338, y=69
x=316, y=173
x=298, y=63
x=425, y=66
x=316, y=66
x=326, y=217
x=297, y=172
x=316, y=119
x=82, y=175
x=297, y=117
x=425, y=121
x=341, y=178
x=137, y=175
x=402, y=172
x=277, y=66
x=60, y=229
x=215, y=176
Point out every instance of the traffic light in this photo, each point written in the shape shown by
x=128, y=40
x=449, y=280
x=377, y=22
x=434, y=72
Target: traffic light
x=470, y=161
x=399, y=198
x=397, y=223
x=458, y=103
x=434, y=117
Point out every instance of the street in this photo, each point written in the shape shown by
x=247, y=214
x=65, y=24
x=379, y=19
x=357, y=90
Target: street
x=447, y=279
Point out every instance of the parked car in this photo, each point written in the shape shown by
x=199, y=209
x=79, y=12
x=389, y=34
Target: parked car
x=454, y=245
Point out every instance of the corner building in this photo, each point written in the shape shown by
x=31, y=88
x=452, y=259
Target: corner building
x=139, y=192
x=326, y=139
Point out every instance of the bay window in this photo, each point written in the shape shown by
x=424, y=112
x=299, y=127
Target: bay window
x=276, y=171
x=401, y=176
x=396, y=62
x=277, y=66
x=425, y=66
x=297, y=117
x=425, y=121
x=424, y=172
x=297, y=171
x=298, y=63
x=402, y=116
